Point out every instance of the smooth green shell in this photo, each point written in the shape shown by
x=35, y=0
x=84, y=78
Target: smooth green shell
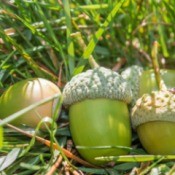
x=100, y=122
x=96, y=83
x=25, y=93
x=157, y=137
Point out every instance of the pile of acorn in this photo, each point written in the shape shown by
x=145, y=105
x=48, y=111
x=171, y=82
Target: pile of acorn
x=103, y=107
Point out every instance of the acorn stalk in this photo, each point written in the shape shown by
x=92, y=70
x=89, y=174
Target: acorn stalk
x=154, y=53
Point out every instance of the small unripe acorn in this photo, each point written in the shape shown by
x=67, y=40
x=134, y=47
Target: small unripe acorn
x=153, y=118
x=153, y=114
x=98, y=113
x=25, y=93
x=144, y=81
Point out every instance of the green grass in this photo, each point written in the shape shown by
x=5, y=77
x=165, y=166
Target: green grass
x=58, y=39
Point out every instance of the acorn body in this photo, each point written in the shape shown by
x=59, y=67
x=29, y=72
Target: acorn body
x=98, y=123
x=25, y=93
x=158, y=137
x=98, y=113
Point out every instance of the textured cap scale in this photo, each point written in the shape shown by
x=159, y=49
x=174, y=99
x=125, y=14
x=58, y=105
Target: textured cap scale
x=96, y=83
x=157, y=106
x=132, y=76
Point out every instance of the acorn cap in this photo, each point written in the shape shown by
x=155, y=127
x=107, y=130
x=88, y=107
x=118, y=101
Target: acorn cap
x=132, y=76
x=96, y=83
x=157, y=106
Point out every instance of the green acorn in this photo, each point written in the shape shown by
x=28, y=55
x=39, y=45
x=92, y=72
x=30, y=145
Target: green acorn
x=153, y=117
x=98, y=113
x=25, y=93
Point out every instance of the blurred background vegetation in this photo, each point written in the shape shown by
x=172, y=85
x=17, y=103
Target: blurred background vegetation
x=54, y=39
x=48, y=38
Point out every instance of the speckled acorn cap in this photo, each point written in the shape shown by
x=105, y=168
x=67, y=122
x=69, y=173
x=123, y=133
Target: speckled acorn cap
x=132, y=76
x=157, y=106
x=96, y=83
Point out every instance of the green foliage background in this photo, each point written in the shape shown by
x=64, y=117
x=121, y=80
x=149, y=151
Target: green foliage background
x=56, y=39
x=38, y=38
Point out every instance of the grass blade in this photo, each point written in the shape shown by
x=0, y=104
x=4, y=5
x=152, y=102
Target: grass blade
x=136, y=158
x=23, y=111
x=37, y=69
x=90, y=47
x=70, y=44
x=9, y=159
x=54, y=145
x=105, y=147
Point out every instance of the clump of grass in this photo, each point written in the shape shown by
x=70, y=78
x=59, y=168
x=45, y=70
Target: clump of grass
x=56, y=40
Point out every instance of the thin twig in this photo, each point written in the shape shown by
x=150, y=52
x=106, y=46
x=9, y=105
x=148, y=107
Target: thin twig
x=60, y=75
x=66, y=168
x=141, y=51
x=55, y=146
x=119, y=64
x=74, y=172
x=55, y=165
